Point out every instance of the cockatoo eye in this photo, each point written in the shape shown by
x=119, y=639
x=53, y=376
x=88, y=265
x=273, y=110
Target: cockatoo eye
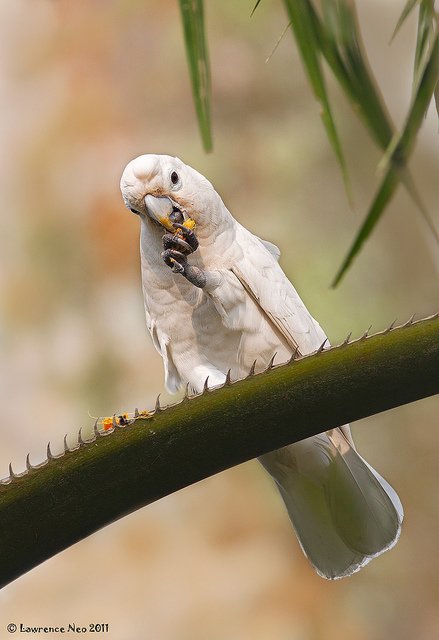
x=175, y=178
x=134, y=211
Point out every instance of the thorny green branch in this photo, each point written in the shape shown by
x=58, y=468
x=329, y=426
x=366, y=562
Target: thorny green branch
x=50, y=507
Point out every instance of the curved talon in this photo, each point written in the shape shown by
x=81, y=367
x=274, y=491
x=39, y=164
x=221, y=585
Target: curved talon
x=178, y=268
x=188, y=235
x=175, y=259
x=174, y=242
x=178, y=263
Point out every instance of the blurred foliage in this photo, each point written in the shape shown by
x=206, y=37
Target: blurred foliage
x=334, y=34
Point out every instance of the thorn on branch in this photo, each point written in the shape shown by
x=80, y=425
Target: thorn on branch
x=390, y=327
x=346, y=341
x=409, y=321
x=251, y=373
x=366, y=333
x=270, y=364
x=294, y=355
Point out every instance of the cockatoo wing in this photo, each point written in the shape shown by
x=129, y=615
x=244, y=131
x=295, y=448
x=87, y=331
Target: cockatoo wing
x=263, y=279
x=343, y=511
x=272, y=248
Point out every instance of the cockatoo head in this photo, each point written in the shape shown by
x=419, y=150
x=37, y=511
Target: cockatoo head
x=162, y=190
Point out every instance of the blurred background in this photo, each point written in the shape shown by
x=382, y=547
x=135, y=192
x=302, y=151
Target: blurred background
x=84, y=88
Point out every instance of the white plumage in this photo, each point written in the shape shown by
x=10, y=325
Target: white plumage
x=232, y=306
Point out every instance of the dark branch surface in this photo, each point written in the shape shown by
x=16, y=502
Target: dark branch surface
x=49, y=508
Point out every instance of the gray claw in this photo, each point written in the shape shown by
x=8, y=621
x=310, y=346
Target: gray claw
x=188, y=236
x=174, y=242
x=178, y=268
x=176, y=260
x=178, y=263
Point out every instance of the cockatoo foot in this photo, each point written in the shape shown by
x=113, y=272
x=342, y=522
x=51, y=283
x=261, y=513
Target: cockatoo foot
x=178, y=263
x=171, y=241
x=188, y=236
x=183, y=240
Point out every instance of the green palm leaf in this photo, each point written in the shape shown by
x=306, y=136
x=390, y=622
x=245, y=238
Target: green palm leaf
x=302, y=18
x=331, y=32
x=409, y=6
x=425, y=37
x=255, y=7
x=382, y=198
x=340, y=39
x=395, y=159
x=192, y=14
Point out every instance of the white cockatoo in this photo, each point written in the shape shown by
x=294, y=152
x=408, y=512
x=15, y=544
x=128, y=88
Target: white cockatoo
x=217, y=299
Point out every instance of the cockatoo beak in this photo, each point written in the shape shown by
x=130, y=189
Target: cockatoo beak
x=159, y=210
